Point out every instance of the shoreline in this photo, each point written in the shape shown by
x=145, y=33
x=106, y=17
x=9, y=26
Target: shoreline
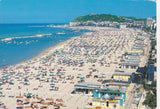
x=42, y=53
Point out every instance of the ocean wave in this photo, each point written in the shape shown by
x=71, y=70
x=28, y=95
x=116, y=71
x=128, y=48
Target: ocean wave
x=37, y=35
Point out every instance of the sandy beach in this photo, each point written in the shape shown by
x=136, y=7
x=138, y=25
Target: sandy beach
x=48, y=79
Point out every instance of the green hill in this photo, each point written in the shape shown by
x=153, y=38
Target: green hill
x=103, y=17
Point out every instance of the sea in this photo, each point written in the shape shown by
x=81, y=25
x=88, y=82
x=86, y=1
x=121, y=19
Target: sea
x=24, y=46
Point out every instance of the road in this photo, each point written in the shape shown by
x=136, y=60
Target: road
x=129, y=100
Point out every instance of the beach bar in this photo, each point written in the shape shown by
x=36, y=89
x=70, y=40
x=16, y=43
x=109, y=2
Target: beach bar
x=119, y=92
x=86, y=88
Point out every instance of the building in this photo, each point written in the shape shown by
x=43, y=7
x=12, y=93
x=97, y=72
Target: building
x=108, y=101
x=149, y=22
x=139, y=23
x=135, y=52
x=118, y=92
x=130, y=64
x=86, y=88
x=118, y=84
x=121, y=75
x=74, y=23
x=150, y=72
x=121, y=26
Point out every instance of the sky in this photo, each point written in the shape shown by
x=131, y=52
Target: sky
x=64, y=11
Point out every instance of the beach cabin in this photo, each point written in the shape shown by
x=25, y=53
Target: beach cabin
x=139, y=51
x=130, y=64
x=121, y=75
x=86, y=88
x=118, y=84
x=108, y=102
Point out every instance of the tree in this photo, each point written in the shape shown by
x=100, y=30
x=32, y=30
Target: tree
x=151, y=99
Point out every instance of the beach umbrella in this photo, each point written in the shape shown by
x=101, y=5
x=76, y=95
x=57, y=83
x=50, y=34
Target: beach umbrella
x=69, y=76
x=12, y=80
x=29, y=94
x=27, y=107
x=82, y=63
x=103, y=74
x=26, y=80
x=33, y=102
x=7, y=78
x=79, y=74
x=53, y=75
x=50, y=99
x=82, y=78
x=45, y=103
x=60, y=100
x=51, y=72
x=90, y=72
x=57, y=105
x=19, y=97
x=52, y=80
x=100, y=77
x=58, y=72
x=52, y=86
x=17, y=75
x=48, y=78
x=45, y=72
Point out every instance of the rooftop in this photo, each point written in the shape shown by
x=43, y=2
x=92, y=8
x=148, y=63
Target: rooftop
x=123, y=73
x=84, y=84
x=113, y=81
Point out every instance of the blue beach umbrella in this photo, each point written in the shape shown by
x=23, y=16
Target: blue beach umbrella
x=52, y=80
x=17, y=75
x=7, y=78
x=26, y=81
x=82, y=78
x=52, y=86
x=45, y=72
x=12, y=80
x=69, y=76
x=29, y=94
